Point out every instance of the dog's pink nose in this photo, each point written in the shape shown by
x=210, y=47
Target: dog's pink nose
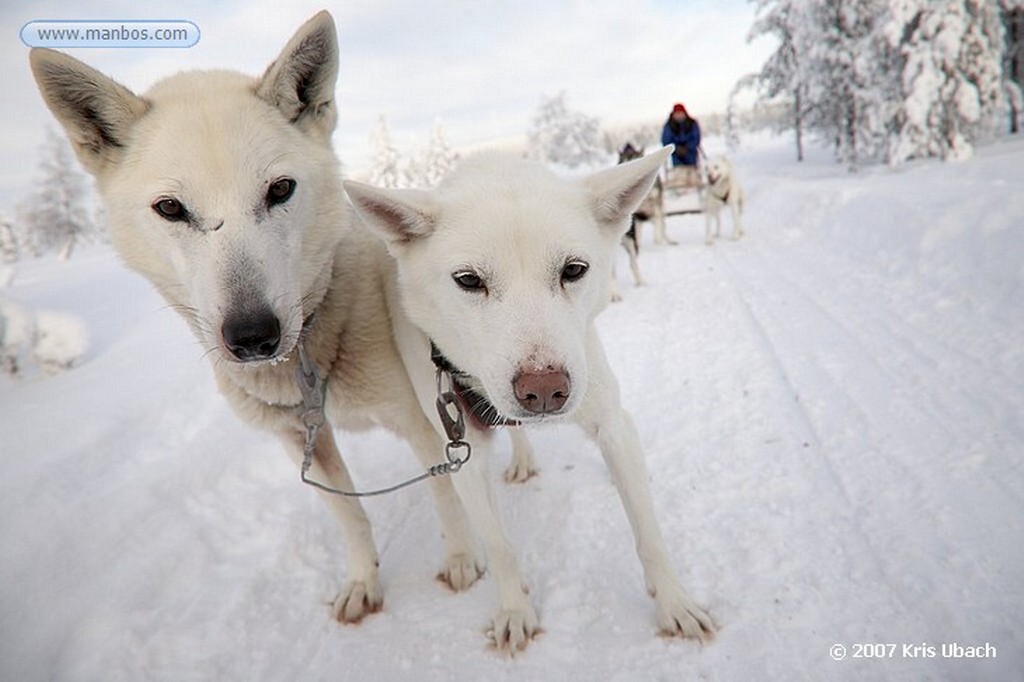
x=542, y=391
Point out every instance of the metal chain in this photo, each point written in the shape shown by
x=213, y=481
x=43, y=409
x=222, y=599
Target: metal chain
x=313, y=388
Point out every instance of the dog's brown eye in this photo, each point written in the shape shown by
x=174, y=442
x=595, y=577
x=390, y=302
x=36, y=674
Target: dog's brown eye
x=469, y=281
x=170, y=209
x=280, y=191
x=574, y=270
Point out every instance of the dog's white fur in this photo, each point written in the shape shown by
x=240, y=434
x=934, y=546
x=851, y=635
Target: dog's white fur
x=515, y=228
x=216, y=144
x=723, y=190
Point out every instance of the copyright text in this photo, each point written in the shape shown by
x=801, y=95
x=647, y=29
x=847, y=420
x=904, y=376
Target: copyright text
x=953, y=650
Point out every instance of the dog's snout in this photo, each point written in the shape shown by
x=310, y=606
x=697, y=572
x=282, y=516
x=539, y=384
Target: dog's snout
x=542, y=391
x=253, y=336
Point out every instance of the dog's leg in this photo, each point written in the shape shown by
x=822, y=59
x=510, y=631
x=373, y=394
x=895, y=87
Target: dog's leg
x=708, y=218
x=361, y=593
x=629, y=242
x=611, y=427
x=737, y=226
x=661, y=231
x=523, y=466
x=462, y=565
x=516, y=621
x=613, y=287
x=660, y=227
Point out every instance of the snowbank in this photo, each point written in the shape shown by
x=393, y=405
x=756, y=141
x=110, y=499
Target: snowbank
x=52, y=341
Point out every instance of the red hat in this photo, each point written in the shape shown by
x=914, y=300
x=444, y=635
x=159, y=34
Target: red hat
x=679, y=107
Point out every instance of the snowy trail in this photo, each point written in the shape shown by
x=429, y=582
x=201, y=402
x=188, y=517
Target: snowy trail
x=831, y=411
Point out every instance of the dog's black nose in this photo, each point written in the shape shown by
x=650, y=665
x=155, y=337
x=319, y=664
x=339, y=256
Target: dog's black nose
x=542, y=391
x=253, y=336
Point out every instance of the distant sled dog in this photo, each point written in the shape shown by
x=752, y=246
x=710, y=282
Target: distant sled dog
x=631, y=240
x=723, y=191
x=652, y=208
x=224, y=192
x=504, y=267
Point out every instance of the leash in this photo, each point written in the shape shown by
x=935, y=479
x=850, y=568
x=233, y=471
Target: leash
x=313, y=388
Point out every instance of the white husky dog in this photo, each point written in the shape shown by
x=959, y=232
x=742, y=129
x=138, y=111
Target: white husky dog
x=723, y=190
x=223, y=191
x=504, y=267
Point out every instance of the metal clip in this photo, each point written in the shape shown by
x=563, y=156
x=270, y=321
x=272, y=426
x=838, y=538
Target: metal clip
x=454, y=427
x=313, y=389
x=455, y=462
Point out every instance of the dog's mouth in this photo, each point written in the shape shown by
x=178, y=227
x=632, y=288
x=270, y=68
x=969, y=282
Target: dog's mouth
x=538, y=393
x=484, y=414
x=475, y=402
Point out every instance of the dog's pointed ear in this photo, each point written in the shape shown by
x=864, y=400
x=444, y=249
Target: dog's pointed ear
x=300, y=82
x=95, y=111
x=616, y=192
x=399, y=216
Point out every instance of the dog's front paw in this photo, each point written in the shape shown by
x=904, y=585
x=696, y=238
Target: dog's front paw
x=358, y=599
x=460, y=572
x=520, y=470
x=678, y=616
x=512, y=629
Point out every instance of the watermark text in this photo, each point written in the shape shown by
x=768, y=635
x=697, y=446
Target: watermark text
x=69, y=34
x=881, y=650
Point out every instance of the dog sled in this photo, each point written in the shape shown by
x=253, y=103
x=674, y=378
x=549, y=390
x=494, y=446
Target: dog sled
x=683, y=190
x=679, y=190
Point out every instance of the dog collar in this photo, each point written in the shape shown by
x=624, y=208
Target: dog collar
x=483, y=412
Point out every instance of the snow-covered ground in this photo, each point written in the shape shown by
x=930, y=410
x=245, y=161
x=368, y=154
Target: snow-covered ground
x=832, y=409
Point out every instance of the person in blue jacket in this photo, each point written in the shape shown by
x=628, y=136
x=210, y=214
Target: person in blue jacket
x=684, y=132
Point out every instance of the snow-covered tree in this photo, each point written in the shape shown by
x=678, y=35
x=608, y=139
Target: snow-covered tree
x=439, y=158
x=847, y=77
x=951, y=77
x=428, y=166
x=832, y=69
x=558, y=135
x=8, y=241
x=56, y=216
x=886, y=79
x=780, y=77
x=1013, y=60
x=384, y=171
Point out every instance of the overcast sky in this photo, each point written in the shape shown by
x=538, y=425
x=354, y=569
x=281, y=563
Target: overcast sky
x=479, y=67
